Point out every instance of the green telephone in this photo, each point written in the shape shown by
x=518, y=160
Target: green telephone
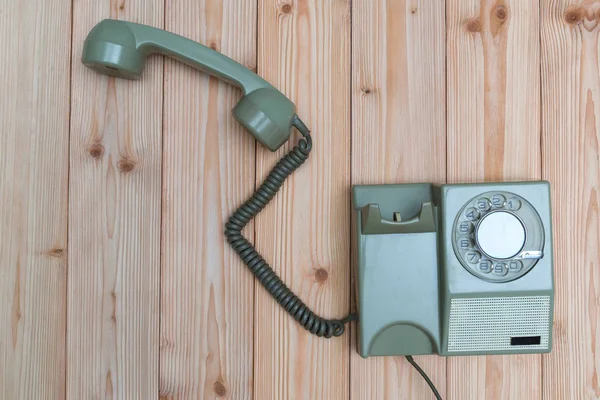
x=468, y=272
x=459, y=269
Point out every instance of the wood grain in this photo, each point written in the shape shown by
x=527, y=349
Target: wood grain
x=398, y=136
x=304, y=50
x=382, y=108
x=208, y=167
x=493, y=135
x=34, y=134
x=114, y=218
x=570, y=109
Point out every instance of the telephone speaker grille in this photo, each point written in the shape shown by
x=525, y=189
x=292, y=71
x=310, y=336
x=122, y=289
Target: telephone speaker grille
x=488, y=324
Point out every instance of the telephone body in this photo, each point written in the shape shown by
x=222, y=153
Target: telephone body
x=457, y=269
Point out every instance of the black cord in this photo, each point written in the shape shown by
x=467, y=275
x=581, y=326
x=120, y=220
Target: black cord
x=256, y=263
x=262, y=270
x=424, y=375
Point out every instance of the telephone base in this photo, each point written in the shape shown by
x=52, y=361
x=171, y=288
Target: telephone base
x=460, y=269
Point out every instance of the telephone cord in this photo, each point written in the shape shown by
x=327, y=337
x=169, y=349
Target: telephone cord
x=256, y=263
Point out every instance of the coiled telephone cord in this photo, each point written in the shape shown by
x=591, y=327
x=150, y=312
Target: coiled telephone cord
x=256, y=263
x=313, y=323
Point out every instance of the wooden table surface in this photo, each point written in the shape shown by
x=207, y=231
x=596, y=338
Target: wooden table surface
x=115, y=280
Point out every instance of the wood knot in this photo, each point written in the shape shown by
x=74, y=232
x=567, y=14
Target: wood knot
x=56, y=253
x=220, y=389
x=166, y=343
x=473, y=25
x=574, y=16
x=501, y=12
x=122, y=6
x=365, y=90
x=125, y=165
x=414, y=10
x=214, y=46
x=286, y=8
x=321, y=275
x=96, y=150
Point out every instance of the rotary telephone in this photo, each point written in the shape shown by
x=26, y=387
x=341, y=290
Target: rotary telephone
x=469, y=272
x=450, y=269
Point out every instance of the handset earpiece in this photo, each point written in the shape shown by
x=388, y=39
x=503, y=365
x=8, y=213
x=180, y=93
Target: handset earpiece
x=120, y=48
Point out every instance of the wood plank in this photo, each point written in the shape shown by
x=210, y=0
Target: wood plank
x=34, y=134
x=571, y=104
x=114, y=218
x=493, y=135
x=398, y=136
x=304, y=50
x=209, y=164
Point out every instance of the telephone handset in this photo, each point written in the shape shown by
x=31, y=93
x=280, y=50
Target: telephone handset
x=120, y=48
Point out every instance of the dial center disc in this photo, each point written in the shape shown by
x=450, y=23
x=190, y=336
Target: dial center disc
x=500, y=235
